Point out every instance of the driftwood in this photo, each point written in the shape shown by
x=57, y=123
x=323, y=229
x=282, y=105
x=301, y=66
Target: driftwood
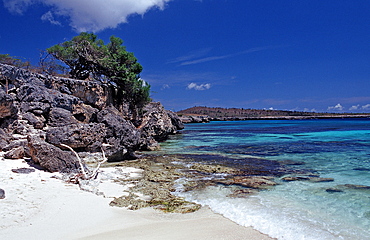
x=86, y=173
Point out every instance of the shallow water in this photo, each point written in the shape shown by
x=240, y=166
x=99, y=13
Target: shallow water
x=330, y=148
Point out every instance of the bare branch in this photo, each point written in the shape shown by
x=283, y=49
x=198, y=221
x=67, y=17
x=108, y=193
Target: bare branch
x=79, y=160
x=95, y=172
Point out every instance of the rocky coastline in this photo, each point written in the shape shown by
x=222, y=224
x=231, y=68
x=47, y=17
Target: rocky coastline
x=41, y=113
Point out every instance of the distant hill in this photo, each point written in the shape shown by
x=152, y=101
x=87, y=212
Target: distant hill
x=217, y=113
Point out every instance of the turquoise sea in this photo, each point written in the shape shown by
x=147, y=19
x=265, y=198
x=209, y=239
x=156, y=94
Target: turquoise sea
x=329, y=148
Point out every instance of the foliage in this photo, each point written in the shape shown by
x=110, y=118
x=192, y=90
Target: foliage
x=14, y=61
x=88, y=57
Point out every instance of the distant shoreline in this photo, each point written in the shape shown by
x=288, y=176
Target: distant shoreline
x=205, y=119
x=207, y=114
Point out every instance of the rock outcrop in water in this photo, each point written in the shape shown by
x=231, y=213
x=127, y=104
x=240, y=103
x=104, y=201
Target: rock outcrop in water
x=39, y=113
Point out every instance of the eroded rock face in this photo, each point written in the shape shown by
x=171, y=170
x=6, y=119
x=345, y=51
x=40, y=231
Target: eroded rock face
x=78, y=135
x=156, y=125
x=121, y=135
x=81, y=114
x=156, y=122
x=59, y=117
x=37, y=122
x=7, y=107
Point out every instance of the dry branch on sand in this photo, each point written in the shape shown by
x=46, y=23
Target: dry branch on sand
x=86, y=175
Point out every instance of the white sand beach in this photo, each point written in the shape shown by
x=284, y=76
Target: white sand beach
x=38, y=206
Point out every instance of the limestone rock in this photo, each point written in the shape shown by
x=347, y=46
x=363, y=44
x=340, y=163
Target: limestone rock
x=51, y=157
x=119, y=128
x=15, y=144
x=333, y=190
x=156, y=122
x=37, y=122
x=92, y=93
x=256, y=182
x=85, y=113
x=77, y=136
x=15, y=153
x=82, y=114
x=357, y=187
x=2, y=193
x=4, y=139
x=176, y=121
x=59, y=117
x=206, y=168
x=7, y=107
x=32, y=94
x=304, y=178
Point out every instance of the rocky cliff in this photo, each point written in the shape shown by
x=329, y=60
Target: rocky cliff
x=39, y=113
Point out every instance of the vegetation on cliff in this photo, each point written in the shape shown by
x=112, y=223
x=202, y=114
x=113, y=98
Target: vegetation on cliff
x=85, y=57
x=89, y=58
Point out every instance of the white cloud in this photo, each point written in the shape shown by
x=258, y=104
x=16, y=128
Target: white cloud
x=193, y=58
x=366, y=107
x=90, y=15
x=354, y=107
x=165, y=86
x=309, y=110
x=18, y=6
x=191, y=55
x=337, y=107
x=50, y=18
x=199, y=87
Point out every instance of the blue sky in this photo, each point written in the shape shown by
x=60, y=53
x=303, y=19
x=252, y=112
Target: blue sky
x=304, y=55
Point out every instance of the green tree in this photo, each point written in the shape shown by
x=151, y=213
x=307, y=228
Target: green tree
x=10, y=60
x=88, y=57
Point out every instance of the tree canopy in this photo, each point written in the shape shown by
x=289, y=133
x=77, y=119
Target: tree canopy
x=89, y=58
x=10, y=60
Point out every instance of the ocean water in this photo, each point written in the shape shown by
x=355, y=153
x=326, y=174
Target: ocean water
x=329, y=148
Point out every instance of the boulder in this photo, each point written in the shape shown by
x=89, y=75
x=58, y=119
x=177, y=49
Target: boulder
x=2, y=193
x=18, y=143
x=78, y=136
x=23, y=170
x=51, y=157
x=176, y=121
x=15, y=153
x=59, y=117
x=156, y=122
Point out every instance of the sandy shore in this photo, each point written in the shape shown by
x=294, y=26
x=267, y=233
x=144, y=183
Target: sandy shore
x=38, y=206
